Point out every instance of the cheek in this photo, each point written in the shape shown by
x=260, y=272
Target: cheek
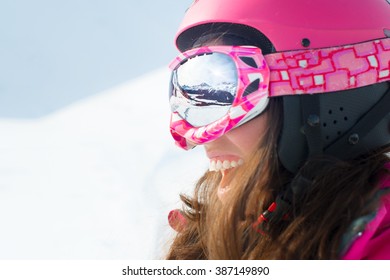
x=247, y=136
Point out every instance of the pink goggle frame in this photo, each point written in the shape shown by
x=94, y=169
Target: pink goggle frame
x=310, y=71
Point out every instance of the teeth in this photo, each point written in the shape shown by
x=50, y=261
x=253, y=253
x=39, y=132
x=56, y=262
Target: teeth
x=226, y=164
x=217, y=165
x=212, y=166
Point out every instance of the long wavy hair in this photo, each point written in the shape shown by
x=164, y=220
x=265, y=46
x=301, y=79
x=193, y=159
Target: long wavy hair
x=340, y=193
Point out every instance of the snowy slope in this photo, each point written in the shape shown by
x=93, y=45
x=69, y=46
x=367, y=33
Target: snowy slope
x=95, y=180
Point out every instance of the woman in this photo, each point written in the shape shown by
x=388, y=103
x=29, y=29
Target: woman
x=290, y=100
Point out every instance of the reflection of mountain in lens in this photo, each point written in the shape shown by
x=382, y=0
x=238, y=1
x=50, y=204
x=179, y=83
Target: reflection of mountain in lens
x=204, y=95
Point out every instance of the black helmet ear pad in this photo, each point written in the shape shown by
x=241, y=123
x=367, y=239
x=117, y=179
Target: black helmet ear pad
x=343, y=124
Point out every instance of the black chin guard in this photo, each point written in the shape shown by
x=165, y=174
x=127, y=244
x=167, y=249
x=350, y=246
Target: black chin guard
x=342, y=124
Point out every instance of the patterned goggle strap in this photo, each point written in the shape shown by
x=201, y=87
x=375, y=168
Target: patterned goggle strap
x=329, y=69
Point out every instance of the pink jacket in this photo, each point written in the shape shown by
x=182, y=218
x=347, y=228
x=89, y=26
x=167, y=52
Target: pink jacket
x=373, y=242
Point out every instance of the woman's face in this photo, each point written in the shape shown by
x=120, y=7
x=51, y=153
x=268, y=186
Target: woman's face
x=233, y=149
x=236, y=146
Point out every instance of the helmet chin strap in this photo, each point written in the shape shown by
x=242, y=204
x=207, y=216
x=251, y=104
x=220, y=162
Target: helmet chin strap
x=287, y=202
x=283, y=206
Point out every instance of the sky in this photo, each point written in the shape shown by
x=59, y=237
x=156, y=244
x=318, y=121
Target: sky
x=54, y=53
x=88, y=169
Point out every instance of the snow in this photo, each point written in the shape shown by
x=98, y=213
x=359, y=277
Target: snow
x=94, y=180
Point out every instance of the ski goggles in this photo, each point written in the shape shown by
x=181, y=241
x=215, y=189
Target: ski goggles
x=214, y=89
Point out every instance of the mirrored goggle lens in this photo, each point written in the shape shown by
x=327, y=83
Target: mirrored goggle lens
x=203, y=88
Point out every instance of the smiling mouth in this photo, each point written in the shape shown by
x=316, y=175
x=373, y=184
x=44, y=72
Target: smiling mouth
x=225, y=166
x=219, y=165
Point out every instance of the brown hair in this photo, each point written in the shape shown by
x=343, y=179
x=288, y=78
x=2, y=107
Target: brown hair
x=340, y=193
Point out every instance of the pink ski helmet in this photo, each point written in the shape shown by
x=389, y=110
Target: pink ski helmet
x=287, y=23
x=345, y=125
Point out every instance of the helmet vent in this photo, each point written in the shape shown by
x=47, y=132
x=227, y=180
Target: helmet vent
x=335, y=123
x=306, y=42
x=338, y=114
